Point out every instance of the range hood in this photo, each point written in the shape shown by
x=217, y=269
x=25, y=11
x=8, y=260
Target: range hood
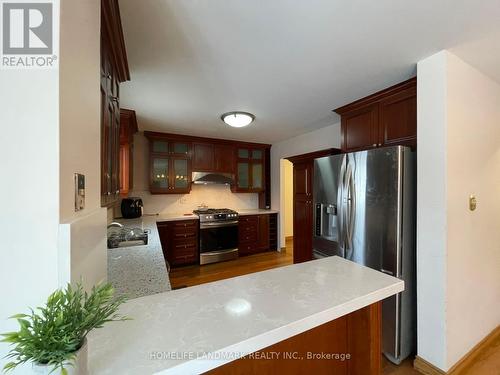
x=205, y=178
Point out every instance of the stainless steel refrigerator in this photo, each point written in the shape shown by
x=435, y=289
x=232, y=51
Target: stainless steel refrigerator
x=364, y=210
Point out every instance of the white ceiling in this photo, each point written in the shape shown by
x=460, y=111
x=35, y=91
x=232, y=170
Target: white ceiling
x=290, y=62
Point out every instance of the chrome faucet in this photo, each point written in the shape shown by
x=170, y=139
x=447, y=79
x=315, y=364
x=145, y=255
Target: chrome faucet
x=115, y=224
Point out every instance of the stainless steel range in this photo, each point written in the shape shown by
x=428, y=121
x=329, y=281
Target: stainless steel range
x=218, y=235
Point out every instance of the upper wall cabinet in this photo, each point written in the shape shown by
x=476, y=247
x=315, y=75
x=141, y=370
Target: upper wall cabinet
x=173, y=158
x=170, y=165
x=203, y=157
x=210, y=157
x=224, y=158
x=114, y=70
x=249, y=170
x=128, y=127
x=388, y=117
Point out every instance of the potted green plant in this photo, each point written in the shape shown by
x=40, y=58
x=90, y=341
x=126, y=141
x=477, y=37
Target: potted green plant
x=53, y=337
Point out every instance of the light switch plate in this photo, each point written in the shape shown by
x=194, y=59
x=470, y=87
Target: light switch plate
x=79, y=191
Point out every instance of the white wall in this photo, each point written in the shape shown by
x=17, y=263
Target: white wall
x=473, y=277
x=218, y=196
x=82, y=242
x=29, y=170
x=328, y=137
x=431, y=209
x=458, y=250
x=286, y=207
x=39, y=155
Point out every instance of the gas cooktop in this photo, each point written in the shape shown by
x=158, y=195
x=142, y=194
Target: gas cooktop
x=216, y=215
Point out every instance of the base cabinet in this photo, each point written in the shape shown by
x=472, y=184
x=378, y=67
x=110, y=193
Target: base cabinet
x=349, y=345
x=179, y=241
x=255, y=234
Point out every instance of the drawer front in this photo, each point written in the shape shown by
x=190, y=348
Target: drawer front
x=184, y=235
x=246, y=248
x=183, y=252
x=179, y=260
x=250, y=236
x=182, y=246
x=248, y=228
x=250, y=219
x=184, y=226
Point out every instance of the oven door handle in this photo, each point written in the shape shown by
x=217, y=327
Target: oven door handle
x=220, y=224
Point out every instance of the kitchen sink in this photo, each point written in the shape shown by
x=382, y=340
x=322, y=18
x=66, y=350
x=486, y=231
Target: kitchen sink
x=120, y=236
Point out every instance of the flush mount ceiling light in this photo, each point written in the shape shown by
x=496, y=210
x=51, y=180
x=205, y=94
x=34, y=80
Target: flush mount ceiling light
x=237, y=119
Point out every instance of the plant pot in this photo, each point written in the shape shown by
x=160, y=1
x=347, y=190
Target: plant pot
x=78, y=367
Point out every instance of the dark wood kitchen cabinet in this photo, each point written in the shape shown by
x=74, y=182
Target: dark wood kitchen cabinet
x=169, y=165
x=203, y=157
x=249, y=163
x=303, y=177
x=210, y=157
x=224, y=158
x=114, y=70
x=179, y=241
x=254, y=233
x=302, y=211
x=250, y=170
x=128, y=127
x=386, y=118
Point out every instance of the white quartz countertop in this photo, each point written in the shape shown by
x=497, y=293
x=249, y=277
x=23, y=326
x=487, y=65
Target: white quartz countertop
x=256, y=212
x=193, y=330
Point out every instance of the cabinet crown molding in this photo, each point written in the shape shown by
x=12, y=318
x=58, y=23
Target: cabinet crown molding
x=370, y=99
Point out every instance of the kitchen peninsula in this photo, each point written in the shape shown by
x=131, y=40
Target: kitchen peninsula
x=331, y=303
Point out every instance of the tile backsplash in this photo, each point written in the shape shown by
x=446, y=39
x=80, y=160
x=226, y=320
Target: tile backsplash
x=214, y=196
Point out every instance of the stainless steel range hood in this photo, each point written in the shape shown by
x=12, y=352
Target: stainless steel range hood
x=206, y=178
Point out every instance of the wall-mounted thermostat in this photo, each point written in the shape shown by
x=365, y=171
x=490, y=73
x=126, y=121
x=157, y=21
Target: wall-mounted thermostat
x=79, y=191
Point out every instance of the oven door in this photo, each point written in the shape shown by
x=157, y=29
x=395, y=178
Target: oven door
x=218, y=241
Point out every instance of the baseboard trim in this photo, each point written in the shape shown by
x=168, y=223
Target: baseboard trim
x=426, y=368
x=467, y=360
x=459, y=368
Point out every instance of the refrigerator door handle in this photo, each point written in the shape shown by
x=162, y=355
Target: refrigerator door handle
x=350, y=204
x=340, y=206
x=352, y=201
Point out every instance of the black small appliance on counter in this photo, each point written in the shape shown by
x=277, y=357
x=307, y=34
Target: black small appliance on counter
x=131, y=208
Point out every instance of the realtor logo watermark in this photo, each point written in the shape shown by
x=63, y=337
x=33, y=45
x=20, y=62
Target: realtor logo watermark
x=28, y=34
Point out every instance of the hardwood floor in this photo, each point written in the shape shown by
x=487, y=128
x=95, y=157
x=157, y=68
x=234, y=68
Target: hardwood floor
x=405, y=368
x=194, y=275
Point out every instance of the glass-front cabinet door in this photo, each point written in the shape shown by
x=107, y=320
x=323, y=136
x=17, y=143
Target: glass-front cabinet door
x=243, y=177
x=159, y=146
x=181, y=177
x=179, y=148
x=250, y=170
x=170, y=166
x=160, y=174
x=257, y=176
